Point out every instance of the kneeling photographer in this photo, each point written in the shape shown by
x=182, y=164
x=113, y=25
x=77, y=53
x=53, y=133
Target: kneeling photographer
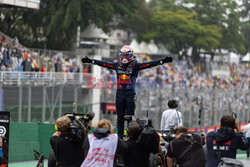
x=68, y=153
x=186, y=149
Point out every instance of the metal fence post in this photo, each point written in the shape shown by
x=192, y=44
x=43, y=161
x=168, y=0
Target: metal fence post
x=44, y=103
x=75, y=97
x=60, y=104
x=20, y=99
x=29, y=104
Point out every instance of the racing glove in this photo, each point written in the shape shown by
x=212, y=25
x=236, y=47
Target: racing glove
x=167, y=59
x=86, y=60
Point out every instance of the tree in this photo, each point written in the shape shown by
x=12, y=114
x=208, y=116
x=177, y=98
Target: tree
x=57, y=21
x=224, y=14
x=180, y=30
x=163, y=5
x=69, y=14
x=245, y=24
x=139, y=21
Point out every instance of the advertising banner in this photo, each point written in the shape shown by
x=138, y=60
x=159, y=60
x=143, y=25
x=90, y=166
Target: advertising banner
x=4, y=137
x=108, y=108
x=213, y=128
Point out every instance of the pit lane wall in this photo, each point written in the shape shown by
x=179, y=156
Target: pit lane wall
x=25, y=137
x=213, y=128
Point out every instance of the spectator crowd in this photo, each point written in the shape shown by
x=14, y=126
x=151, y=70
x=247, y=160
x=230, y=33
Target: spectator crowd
x=15, y=57
x=222, y=94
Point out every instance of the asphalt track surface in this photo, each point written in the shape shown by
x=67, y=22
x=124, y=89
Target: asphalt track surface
x=246, y=162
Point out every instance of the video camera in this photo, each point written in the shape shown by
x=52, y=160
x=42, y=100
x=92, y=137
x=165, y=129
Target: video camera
x=141, y=121
x=79, y=125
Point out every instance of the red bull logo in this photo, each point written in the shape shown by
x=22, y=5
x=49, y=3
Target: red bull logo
x=124, y=77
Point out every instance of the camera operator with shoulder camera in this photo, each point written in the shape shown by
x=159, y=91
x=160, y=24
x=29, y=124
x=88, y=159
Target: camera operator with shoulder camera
x=186, y=149
x=68, y=153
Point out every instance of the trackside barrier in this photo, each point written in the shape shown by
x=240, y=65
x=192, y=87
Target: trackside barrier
x=24, y=137
x=213, y=128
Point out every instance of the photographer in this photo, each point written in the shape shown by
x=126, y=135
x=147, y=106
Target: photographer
x=136, y=155
x=102, y=146
x=225, y=141
x=68, y=153
x=186, y=149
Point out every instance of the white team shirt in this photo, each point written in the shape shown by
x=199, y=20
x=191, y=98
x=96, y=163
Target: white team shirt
x=247, y=130
x=171, y=118
x=101, y=151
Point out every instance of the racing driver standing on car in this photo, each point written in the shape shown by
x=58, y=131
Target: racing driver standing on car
x=127, y=71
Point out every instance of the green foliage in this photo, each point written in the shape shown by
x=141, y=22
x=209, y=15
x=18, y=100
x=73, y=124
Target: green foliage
x=183, y=24
x=245, y=25
x=56, y=22
x=161, y=5
x=181, y=29
x=224, y=14
x=197, y=24
x=246, y=32
x=139, y=21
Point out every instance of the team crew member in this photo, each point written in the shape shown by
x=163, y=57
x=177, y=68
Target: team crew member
x=171, y=118
x=127, y=71
x=101, y=147
x=226, y=139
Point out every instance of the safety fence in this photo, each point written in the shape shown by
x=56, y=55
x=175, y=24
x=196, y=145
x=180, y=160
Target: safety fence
x=43, y=96
x=36, y=112
x=12, y=78
x=214, y=102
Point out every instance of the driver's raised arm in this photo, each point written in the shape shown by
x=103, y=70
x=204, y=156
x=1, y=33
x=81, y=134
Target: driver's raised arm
x=154, y=63
x=98, y=62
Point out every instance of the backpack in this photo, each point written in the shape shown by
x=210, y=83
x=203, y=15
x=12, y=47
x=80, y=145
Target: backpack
x=230, y=162
x=148, y=138
x=192, y=141
x=227, y=162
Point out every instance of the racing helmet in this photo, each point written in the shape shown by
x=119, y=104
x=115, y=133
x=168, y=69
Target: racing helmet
x=126, y=54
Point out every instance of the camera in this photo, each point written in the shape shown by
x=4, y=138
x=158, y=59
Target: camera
x=143, y=122
x=79, y=125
